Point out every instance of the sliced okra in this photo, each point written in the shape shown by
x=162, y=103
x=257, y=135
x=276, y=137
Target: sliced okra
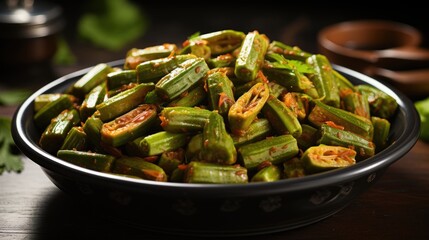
x=43, y=117
x=220, y=93
x=92, y=128
x=123, y=102
x=53, y=136
x=224, y=60
x=181, y=78
x=116, y=79
x=299, y=103
x=324, y=80
x=137, y=166
x=251, y=56
x=269, y=173
x=356, y=103
x=135, y=56
x=76, y=139
x=293, y=168
x=246, y=108
x=281, y=117
x=184, y=119
x=324, y=157
x=276, y=149
x=217, y=144
x=129, y=126
x=191, y=98
x=94, y=77
x=156, y=143
x=170, y=160
x=96, y=96
x=203, y=172
x=90, y=160
x=289, y=52
x=258, y=130
x=381, y=104
x=194, y=147
x=381, y=132
x=322, y=113
x=276, y=89
x=219, y=42
x=308, y=137
x=330, y=135
x=153, y=70
x=342, y=81
x=43, y=99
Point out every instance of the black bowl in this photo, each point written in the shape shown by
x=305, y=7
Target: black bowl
x=219, y=209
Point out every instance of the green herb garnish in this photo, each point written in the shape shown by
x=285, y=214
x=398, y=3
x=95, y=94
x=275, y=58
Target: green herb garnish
x=9, y=160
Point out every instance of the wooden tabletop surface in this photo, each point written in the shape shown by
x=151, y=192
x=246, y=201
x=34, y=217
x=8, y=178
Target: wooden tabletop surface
x=396, y=207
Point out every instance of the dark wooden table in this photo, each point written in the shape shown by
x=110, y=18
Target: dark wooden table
x=396, y=207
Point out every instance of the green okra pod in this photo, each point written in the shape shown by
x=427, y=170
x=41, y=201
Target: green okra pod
x=43, y=117
x=53, y=136
x=130, y=125
x=92, y=128
x=308, y=137
x=219, y=42
x=287, y=51
x=137, y=166
x=184, y=119
x=269, y=173
x=356, y=103
x=89, y=105
x=338, y=137
x=191, y=98
x=194, y=147
x=156, y=143
x=136, y=56
x=281, y=117
x=75, y=140
x=324, y=157
x=220, y=93
x=245, y=110
x=381, y=132
x=293, y=168
x=381, y=104
x=203, y=172
x=323, y=113
x=276, y=149
x=324, y=80
x=46, y=98
x=258, y=130
x=224, y=60
x=95, y=76
x=299, y=103
x=90, y=160
x=251, y=56
x=123, y=102
x=153, y=70
x=181, y=78
x=116, y=79
x=217, y=144
x=170, y=160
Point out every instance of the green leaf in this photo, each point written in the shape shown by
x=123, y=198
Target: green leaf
x=422, y=107
x=194, y=36
x=14, y=97
x=280, y=62
x=9, y=161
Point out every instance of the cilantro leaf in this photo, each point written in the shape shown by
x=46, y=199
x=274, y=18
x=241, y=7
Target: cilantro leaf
x=280, y=62
x=194, y=36
x=9, y=161
x=13, y=97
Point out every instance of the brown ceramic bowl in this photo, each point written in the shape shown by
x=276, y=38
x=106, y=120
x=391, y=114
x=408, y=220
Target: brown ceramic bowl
x=382, y=49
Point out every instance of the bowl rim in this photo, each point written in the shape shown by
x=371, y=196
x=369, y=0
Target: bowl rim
x=51, y=164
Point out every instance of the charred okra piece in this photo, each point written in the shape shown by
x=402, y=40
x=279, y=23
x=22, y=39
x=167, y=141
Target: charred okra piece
x=323, y=113
x=293, y=168
x=251, y=56
x=135, y=56
x=75, y=140
x=217, y=144
x=338, y=137
x=43, y=117
x=191, y=98
x=275, y=149
x=324, y=80
x=156, y=143
x=324, y=157
x=184, y=119
x=221, y=96
x=91, y=79
x=153, y=70
x=129, y=126
x=381, y=132
x=181, y=78
x=203, y=172
x=123, y=102
x=89, y=105
x=381, y=104
x=136, y=166
x=356, y=103
x=288, y=52
x=170, y=160
x=55, y=133
x=269, y=173
x=245, y=110
x=281, y=118
x=90, y=160
x=116, y=79
x=258, y=130
x=220, y=42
